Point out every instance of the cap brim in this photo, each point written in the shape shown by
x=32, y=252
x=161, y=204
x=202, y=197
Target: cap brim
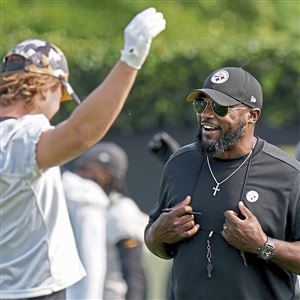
x=216, y=96
x=65, y=96
x=68, y=92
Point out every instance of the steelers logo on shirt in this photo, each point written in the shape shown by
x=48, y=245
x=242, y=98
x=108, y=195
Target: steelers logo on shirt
x=252, y=196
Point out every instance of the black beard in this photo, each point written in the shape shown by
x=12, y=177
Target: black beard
x=222, y=144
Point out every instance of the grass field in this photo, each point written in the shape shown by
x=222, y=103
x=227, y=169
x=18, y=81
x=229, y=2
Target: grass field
x=290, y=149
x=157, y=271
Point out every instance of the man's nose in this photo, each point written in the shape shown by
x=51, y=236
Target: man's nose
x=208, y=110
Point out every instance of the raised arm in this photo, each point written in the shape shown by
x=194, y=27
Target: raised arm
x=92, y=119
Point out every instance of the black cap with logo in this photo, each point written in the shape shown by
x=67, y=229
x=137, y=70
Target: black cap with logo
x=230, y=86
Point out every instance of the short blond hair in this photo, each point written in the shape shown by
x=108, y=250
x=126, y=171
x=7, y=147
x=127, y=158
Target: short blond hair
x=24, y=86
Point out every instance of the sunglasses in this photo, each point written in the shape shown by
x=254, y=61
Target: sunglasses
x=200, y=104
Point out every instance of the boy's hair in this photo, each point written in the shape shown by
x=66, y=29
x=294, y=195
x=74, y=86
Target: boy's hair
x=24, y=86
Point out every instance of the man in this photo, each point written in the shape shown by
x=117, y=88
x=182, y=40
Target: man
x=106, y=165
x=229, y=207
x=38, y=254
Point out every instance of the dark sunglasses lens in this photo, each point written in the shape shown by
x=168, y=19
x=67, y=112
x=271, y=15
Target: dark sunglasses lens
x=199, y=105
x=220, y=110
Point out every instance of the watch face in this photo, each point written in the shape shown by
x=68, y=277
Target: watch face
x=266, y=251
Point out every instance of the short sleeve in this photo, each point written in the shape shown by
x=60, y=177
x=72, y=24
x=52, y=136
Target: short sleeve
x=18, y=144
x=163, y=193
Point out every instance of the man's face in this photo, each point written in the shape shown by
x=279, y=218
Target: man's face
x=94, y=172
x=219, y=134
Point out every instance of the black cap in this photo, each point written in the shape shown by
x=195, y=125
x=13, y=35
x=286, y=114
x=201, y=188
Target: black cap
x=230, y=86
x=109, y=156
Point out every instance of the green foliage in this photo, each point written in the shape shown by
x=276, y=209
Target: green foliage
x=261, y=36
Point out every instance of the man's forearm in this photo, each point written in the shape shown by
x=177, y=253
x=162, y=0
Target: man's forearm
x=159, y=249
x=287, y=255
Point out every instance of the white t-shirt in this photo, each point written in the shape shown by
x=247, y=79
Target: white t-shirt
x=38, y=252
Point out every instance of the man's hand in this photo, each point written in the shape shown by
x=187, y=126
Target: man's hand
x=174, y=226
x=139, y=34
x=245, y=235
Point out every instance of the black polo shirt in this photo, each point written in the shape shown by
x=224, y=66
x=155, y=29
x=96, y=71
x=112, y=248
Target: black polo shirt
x=269, y=185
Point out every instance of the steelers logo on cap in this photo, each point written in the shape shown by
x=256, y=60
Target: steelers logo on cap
x=252, y=196
x=220, y=76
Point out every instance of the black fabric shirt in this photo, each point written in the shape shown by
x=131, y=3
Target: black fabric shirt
x=274, y=180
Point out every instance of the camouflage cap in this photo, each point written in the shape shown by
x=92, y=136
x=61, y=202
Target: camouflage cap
x=38, y=56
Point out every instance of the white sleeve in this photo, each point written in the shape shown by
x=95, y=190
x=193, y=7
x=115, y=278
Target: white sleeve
x=19, y=140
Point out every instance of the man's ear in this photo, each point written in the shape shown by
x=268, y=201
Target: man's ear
x=254, y=114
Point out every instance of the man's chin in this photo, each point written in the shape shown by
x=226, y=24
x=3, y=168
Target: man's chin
x=208, y=143
x=217, y=146
x=210, y=148
x=205, y=146
x=209, y=137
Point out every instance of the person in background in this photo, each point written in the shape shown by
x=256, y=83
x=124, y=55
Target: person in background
x=229, y=207
x=87, y=204
x=162, y=145
x=38, y=253
x=106, y=164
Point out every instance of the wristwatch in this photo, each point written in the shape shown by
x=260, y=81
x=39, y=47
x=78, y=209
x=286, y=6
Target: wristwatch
x=267, y=250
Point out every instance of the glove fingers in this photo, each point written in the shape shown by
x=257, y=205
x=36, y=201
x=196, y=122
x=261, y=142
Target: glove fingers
x=155, y=26
x=157, y=17
x=145, y=13
x=142, y=22
x=146, y=17
x=138, y=36
x=151, y=27
x=155, y=30
x=148, y=29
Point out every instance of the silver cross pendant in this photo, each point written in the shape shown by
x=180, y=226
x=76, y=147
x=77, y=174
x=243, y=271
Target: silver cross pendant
x=216, y=189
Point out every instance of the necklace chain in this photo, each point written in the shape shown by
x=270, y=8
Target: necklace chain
x=216, y=188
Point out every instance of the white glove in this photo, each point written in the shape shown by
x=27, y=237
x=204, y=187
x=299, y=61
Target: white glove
x=139, y=34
